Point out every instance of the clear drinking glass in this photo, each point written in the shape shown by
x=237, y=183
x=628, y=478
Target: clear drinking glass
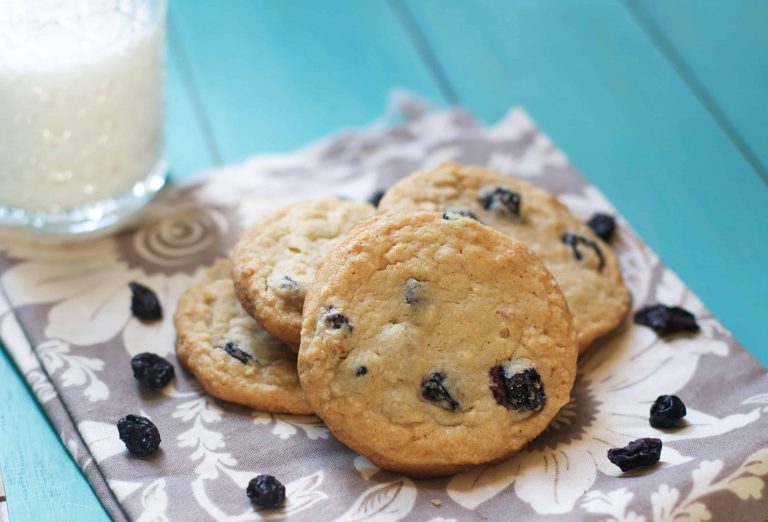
x=81, y=111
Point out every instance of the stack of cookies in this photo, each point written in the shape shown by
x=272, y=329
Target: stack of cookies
x=436, y=332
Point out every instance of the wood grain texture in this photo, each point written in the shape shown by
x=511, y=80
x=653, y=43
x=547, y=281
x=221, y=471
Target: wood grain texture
x=249, y=76
x=723, y=52
x=274, y=76
x=592, y=80
x=189, y=146
x=42, y=482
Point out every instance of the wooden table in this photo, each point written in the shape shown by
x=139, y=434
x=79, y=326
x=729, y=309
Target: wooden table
x=663, y=105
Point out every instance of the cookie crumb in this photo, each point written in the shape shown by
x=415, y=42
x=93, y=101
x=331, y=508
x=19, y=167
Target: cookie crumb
x=436, y=502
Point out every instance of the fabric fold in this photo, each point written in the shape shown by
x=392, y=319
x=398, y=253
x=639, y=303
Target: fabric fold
x=67, y=325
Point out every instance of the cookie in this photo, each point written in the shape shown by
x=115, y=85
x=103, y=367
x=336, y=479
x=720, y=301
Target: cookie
x=231, y=355
x=275, y=260
x=431, y=343
x=585, y=267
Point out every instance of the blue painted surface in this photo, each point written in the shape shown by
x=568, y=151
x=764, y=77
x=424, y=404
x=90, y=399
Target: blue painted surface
x=593, y=80
x=726, y=51
x=272, y=79
x=255, y=76
x=42, y=482
x=188, y=145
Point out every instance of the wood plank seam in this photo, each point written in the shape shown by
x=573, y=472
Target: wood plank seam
x=424, y=50
x=188, y=77
x=81, y=441
x=48, y=420
x=660, y=40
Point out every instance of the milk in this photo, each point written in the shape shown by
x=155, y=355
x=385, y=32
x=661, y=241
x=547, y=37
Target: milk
x=81, y=102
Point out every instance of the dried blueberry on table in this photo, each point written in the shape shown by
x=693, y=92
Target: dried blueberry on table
x=501, y=198
x=667, y=411
x=574, y=240
x=452, y=215
x=665, y=320
x=375, y=198
x=517, y=388
x=413, y=290
x=144, y=303
x=637, y=454
x=139, y=434
x=360, y=371
x=603, y=225
x=433, y=389
x=233, y=350
x=152, y=370
x=265, y=491
x=335, y=320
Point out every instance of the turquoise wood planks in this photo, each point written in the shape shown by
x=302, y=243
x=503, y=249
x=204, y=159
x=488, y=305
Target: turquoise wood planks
x=41, y=481
x=592, y=79
x=249, y=76
x=188, y=146
x=275, y=75
x=724, y=48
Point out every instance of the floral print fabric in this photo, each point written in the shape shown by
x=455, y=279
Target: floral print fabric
x=65, y=319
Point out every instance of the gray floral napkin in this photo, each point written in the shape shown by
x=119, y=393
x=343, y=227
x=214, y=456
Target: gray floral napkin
x=67, y=324
x=3, y=502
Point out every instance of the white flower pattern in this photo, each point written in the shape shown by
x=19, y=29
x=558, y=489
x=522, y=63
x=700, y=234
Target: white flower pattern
x=667, y=504
x=82, y=335
x=553, y=474
x=87, y=286
x=286, y=426
x=77, y=369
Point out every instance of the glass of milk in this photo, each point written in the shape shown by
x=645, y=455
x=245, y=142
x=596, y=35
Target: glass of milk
x=81, y=111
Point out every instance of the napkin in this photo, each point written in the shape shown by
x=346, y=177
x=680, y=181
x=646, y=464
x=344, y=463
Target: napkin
x=68, y=326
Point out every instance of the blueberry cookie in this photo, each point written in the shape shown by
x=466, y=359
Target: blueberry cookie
x=431, y=343
x=275, y=260
x=230, y=353
x=585, y=267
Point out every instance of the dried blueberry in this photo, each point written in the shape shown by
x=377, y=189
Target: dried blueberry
x=452, y=215
x=152, y=370
x=603, y=225
x=336, y=320
x=144, y=303
x=665, y=320
x=233, y=350
x=667, y=411
x=518, y=387
x=637, y=454
x=375, y=198
x=265, y=491
x=360, y=371
x=289, y=290
x=139, y=434
x=501, y=198
x=413, y=290
x=433, y=389
x=287, y=284
x=574, y=240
